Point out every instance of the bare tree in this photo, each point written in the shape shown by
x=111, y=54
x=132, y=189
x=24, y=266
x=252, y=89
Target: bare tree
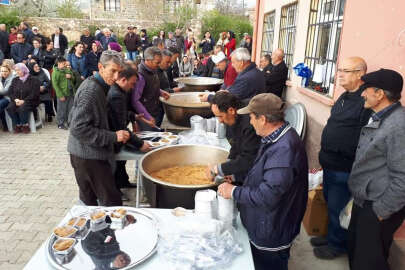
x=35, y=8
x=231, y=7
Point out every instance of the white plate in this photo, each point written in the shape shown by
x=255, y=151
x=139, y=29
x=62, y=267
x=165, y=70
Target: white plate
x=138, y=240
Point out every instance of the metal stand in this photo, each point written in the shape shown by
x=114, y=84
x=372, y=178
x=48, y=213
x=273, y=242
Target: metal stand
x=129, y=155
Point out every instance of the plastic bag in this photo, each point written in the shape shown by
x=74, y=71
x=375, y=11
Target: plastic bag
x=197, y=243
x=346, y=214
x=303, y=71
x=315, y=178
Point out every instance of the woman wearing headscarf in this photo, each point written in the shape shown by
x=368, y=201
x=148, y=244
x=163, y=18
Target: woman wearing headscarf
x=231, y=45
x=114, y=46
x=24, y=95
x=77, y=59
x=45, y=88
x=93, y=56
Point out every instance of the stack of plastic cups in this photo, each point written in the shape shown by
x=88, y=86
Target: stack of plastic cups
x=226, y=212
x=206, y=203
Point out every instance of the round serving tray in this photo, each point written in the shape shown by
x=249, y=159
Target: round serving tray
x=137, y=240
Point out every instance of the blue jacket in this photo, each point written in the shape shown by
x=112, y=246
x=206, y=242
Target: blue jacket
x=20, y=51
x=79, y=64
x=273, y=198
x=105, y=41
x=249, y=83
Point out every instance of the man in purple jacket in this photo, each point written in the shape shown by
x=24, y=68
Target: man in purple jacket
x=273, y=198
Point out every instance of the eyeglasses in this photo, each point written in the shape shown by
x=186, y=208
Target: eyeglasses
x=347, y=70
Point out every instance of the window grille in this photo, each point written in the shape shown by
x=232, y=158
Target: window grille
x=324, y=29
x=288, y=25
x=268, y=33
x=112, y=5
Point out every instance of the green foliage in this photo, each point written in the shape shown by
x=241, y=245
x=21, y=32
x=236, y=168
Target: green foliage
x=168, y=27
x=216, y=23
x=92, y=28
x=152, y=32
x=69, y=9
x=9, y=16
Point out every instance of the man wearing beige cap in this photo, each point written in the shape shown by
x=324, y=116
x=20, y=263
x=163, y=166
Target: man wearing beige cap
x=274, y=194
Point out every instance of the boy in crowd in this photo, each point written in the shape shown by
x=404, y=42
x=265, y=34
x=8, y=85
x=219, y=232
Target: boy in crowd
x=63, y=81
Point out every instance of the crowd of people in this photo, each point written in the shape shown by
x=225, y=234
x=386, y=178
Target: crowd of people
x=61, y=70
x=100, y=92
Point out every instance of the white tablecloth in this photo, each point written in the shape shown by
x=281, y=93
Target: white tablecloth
x=243, y=261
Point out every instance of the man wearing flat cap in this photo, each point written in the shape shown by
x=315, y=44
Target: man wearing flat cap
x=273, y=198
x=377, y=180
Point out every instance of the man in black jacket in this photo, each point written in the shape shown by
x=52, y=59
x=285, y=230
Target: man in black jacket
x=276, y=74
x=4, y=46
x=241, y=135
x=60, y=41
x=119, y=116
x=162, y=72
x=338, y=148
x=179, y=40
x=173, y=70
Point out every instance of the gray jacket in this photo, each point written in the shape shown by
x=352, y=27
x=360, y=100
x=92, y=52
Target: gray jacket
x=89, y=133
x=5, y=88
x=378, y=172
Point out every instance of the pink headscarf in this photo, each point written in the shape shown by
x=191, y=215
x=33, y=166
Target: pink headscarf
x=115, y=46
x=24, y=69
x=98, y=44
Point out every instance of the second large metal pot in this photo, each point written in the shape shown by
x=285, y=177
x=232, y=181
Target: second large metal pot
x=181, y=106
x=199, y=84
x=162, y=194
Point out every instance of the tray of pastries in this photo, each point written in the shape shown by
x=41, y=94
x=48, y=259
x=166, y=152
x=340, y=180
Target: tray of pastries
x=103, y=238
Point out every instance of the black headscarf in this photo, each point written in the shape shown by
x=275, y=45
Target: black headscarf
x=32, y=71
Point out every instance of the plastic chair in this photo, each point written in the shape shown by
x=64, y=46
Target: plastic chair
x=296, y=116
x=31, y=120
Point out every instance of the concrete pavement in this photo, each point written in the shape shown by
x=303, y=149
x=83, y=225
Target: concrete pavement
x=37, y=188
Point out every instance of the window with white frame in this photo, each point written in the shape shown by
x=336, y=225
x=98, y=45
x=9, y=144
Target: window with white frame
x=112, y=5
x=268, y=33
x=324, y=29
x=288, y=26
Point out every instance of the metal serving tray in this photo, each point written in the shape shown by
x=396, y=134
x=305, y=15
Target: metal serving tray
x=110, y=246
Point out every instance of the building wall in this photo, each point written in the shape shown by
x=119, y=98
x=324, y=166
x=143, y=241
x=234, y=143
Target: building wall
x=372, y=29
x=375, y=30
x=73, y=28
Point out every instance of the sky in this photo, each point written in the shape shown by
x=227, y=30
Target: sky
x=250, y=3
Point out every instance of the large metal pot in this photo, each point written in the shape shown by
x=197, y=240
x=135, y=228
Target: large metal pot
x=181, y=106
x=199, y=84
x=167, y=195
